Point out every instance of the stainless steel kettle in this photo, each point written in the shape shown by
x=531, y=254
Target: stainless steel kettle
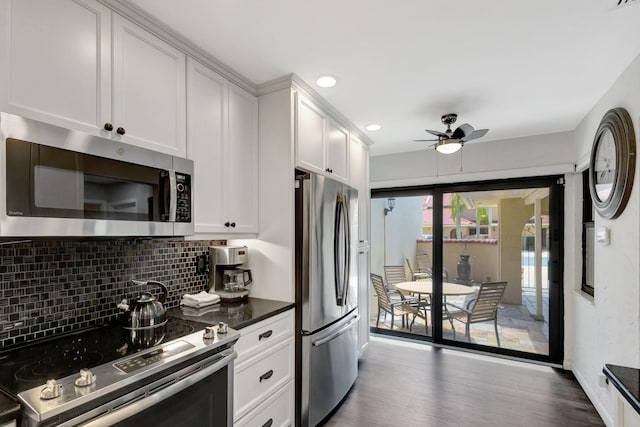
x=146, y=312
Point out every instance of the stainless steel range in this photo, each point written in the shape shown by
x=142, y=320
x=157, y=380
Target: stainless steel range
x=102, y=377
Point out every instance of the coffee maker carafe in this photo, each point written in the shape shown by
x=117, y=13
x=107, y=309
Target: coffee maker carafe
x=227, y=277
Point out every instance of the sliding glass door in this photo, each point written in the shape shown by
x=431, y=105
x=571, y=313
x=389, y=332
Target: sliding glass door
x=400, y=253
x=475, y=265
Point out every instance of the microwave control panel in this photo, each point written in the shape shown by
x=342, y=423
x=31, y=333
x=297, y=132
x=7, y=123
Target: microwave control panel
x=183, y=187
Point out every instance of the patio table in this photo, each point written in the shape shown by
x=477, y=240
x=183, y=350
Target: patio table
x=426, y=287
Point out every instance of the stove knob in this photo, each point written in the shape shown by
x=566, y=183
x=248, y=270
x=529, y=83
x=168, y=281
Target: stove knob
x=209, y=333
x=51, y=390
x=86, y=378
x=222, y=328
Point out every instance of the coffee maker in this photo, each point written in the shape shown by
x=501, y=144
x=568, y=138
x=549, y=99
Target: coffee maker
x=227, y=277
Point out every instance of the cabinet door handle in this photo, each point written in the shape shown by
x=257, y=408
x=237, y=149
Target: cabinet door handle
x=120, y=131
x=108, y=127
x=233, y=224
x=227, y=224
x=269, y=423
x=266, y=375
x=265, y=334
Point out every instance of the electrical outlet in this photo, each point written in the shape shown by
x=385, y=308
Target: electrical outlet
x=603, y=381
x=201, y=264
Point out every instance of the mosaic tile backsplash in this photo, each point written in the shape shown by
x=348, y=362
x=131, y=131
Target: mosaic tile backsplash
x=51, y=287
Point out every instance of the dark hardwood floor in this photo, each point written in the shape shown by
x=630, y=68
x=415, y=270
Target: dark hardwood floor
x=419, y=385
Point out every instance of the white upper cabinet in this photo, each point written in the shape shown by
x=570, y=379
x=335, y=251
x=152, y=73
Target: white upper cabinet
x=242, y=161
x=359, y=179
x=69, y=66
x=57, y=62
x=322, y=145
x=337, y=138
x=148, y=89
x=206, y=127
x=222, y=129
x=310, y=127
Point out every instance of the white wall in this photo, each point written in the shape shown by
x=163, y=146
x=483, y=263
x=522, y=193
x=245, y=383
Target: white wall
x=528, y=156
x=606, y=329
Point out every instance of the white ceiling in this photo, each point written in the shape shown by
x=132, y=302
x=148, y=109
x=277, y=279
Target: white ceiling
x=517, y=68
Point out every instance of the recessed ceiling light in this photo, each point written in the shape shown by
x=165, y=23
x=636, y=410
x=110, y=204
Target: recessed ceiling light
x=373, y=127
x=326, y=81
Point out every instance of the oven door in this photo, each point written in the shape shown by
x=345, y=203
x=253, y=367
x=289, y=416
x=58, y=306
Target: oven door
x=198, y=395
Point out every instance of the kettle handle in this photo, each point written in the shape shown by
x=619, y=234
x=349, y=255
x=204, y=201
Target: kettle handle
x=249, y=279
x=165, y=291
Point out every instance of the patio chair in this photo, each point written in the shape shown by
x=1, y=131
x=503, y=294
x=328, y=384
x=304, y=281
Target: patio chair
x=394, y=274
x=424, y=302
x=415, y=275
x=481, y=308
x=422, y=262
x=395, y=308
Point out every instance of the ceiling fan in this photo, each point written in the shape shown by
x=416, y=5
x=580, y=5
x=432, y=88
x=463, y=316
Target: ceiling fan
x=451, y=141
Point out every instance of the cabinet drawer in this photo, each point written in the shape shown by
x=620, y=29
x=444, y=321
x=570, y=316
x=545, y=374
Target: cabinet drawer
x=259, y=377
x=276, y=411
x=257, y=338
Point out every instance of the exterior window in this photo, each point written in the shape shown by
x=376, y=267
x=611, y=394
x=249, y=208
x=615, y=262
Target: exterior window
x=588, y=236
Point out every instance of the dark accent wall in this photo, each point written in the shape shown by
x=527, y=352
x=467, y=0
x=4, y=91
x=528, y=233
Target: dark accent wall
x=51, y=287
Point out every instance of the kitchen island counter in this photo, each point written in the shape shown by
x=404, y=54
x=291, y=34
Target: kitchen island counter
x=236, y=315
x=9, y=409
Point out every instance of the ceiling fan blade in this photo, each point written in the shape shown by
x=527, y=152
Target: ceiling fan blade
x=462, y=131
x=425, y=140
x=438, y=133
x=476, y=134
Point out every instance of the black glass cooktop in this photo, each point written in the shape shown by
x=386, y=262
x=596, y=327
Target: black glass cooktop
x=30, y=366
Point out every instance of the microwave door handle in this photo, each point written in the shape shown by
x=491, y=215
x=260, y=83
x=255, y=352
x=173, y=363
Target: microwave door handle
x=336, y=250
x=173, y=196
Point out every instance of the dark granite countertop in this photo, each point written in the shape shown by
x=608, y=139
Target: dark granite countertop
x=236, y=315
x=9, y=409
x=627, y=381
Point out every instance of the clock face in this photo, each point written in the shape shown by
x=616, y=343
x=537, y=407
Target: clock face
x=612, y=163
x=604, y=173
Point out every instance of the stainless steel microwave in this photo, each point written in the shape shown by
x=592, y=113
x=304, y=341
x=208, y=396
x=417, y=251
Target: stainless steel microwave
x=61, y=182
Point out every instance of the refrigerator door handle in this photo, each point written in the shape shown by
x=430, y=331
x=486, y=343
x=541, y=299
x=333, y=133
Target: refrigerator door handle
x=347, y=248
x=338, y=332
x=341, y=235
x=339, y=284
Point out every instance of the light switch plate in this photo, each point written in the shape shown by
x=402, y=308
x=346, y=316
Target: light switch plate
x=603, y=236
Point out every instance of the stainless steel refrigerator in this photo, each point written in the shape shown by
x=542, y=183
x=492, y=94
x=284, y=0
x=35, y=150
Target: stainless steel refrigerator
x=326, y=294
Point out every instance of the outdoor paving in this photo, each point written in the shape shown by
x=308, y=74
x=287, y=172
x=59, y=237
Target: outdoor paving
x=517, y=328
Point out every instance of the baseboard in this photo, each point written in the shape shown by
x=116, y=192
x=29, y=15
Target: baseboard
x=602, y=410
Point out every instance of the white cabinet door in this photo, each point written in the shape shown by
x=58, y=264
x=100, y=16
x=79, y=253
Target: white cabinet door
x=223, y=143
x=364, y=308
x=241, y=176
x=57, y=62
x=206, y=123
x=310, y=137
x=359, y=179
x=148, y=89
x=337, y=146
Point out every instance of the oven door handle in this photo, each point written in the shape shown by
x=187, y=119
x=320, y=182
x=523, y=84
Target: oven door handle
x=137, y=406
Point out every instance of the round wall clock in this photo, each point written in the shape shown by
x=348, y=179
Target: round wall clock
x=613, y=162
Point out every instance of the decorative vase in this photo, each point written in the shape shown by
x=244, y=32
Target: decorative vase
x=464, y=268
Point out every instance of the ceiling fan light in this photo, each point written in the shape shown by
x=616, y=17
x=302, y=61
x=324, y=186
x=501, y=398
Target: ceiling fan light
x=448, y=146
